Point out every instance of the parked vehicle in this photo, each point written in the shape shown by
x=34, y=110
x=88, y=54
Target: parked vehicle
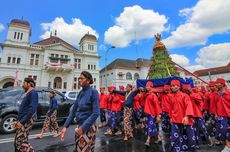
x=72, y=95
x=11, y=99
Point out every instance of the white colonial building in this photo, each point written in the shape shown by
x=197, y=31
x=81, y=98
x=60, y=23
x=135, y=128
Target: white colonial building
x=214, y=73
x=122, y=72
x=52, y=62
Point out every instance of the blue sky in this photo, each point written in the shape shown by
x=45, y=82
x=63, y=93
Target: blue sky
x=196, y=33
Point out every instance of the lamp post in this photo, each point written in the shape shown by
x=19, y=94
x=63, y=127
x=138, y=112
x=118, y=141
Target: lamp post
x=106, y=53
x=209, y=75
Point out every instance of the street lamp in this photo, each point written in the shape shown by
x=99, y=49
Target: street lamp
x=209, y=74
x=106, y=53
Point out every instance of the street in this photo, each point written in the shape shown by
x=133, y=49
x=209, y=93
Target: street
x=103, y=143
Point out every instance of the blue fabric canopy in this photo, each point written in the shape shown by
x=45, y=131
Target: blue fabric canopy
x=163, y=81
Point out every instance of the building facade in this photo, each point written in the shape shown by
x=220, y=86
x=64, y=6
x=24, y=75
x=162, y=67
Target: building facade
x=52, y=62
x=212, y=74
x=121, y=72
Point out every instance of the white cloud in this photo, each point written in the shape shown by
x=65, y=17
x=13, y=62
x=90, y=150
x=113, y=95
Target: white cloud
x=180, y=59
x=193, y=68
x=135, y=23
x=1, y=27
x=185, y=62
x=205, y=19
x=214, y=55
x=70, y=32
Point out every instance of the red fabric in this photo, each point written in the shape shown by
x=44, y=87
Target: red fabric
x=116, y=103
x=186, y=86
x=137, y=101
x=223, y=105
x=166, y=87
x=102, y=89
x=149, y=83
x=195, y=89
x=175, y=82
x=143, y=99
x=152, y=105
x=103, y=101
x=111, y=88
x=212, y=83
x=210, y=102
x=110, y=98
x=180, y=106
x=122, y=88
x=201, y=94
x=165, y=102
x=122, y=98
x=197, y=104
x=220, y=80
x=203, y=89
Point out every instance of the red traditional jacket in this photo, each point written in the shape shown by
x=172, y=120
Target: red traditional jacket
x=143, y=99
x=103, y=101
x=137, y=101
x=116, y=103
x=210, y=102
x=197, y=104
x=165, y=102
x=180, y=106
x=223, y=104
x=110, y=98
x=152, y=106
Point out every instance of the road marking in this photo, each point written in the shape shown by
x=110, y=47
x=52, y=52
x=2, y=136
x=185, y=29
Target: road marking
x=7, y=140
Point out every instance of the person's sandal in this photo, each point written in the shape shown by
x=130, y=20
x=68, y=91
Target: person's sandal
x=40, y=136
x=118, y=133
x=57, y=134
x=126, y=138
x=147, y=144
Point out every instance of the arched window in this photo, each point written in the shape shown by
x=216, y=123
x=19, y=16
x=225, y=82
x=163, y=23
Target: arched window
x=128, y=76
x=136, y=76
x=57, y=83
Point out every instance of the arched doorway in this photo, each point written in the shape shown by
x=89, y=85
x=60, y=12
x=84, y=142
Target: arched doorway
x=8, y=84
x=57, y=83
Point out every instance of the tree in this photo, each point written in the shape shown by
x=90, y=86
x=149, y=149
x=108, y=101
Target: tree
x=161, y=63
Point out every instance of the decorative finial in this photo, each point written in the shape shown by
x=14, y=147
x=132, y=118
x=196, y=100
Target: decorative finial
x=158, y=37
x=50, y=34
x=55, y=33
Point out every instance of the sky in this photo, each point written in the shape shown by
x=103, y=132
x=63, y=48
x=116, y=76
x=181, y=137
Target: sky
x=196, y=33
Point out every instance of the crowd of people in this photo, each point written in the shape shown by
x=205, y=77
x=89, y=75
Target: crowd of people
x=188, y=116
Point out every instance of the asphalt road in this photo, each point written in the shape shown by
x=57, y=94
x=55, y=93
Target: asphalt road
x=103, y=143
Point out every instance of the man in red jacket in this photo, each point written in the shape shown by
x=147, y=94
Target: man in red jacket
x=199, y=124
x=137, y=109
x=210, y=108
x=181, y=114
x=152, y=110
x=116, y=114
x=223, y=114
x=109, y=107
x=164, y=99
x=103, y=106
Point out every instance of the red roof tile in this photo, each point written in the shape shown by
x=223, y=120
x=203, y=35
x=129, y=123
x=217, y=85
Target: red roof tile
x=53, y=40
x=19, y=22
x=217, y=70
x=89, y=37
